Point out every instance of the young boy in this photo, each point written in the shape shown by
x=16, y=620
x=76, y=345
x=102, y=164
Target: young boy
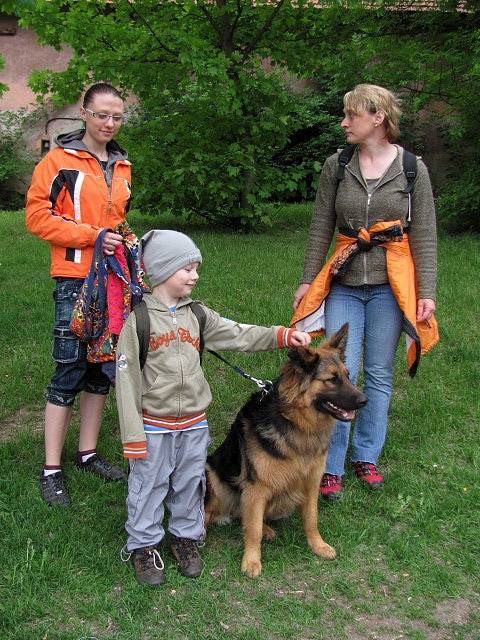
x=162, y=407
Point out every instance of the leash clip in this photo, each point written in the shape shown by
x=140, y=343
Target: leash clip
x=264, y=385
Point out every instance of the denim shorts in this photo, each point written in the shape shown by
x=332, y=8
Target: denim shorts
x=73, y=373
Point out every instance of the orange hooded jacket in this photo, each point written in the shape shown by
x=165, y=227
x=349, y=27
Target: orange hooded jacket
x=420, y=336
x=69, y=201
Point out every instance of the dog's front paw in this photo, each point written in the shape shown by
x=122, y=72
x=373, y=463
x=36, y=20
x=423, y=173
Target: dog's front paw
x=251, y=567
x=323, y=550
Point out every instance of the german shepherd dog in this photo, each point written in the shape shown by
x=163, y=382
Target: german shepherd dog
x=273, y=457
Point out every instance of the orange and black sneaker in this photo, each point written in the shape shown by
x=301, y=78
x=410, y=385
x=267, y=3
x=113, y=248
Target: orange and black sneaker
x=367, y=472
x=331, y=487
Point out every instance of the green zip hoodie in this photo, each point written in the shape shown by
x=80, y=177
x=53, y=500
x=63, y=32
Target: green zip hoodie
x=351, y=206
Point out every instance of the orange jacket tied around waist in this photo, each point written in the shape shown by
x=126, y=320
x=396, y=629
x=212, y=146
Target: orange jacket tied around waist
x=310, y=313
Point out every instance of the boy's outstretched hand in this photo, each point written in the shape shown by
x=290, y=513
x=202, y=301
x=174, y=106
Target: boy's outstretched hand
x=300, y=339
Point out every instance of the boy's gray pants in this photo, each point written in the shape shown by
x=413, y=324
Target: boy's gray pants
x=174, y=472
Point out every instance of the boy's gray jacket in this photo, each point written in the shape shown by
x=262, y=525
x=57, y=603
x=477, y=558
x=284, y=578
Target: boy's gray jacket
x=172, y=383
x=351, y=206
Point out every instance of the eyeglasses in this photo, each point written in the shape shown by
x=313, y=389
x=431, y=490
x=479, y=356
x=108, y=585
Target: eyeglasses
x=103, y=117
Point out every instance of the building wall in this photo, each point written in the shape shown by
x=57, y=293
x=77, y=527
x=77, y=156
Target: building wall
x=23, y=54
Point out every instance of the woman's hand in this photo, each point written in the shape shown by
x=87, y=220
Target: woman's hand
x=425, y=309
x=300, y=339
x=110, y=242
x=299, y=294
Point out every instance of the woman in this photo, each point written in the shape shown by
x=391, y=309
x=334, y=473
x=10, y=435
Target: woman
x=386, y=236
x=78, y=189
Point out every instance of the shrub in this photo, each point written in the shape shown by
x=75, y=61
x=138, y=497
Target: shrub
x=315, y=135
x=15, y=165
x=458, y=206
x=210, y=156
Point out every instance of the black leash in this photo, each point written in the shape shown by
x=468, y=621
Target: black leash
x=265, y=385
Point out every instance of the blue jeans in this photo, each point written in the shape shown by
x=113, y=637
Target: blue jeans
x=374, y=325
x=73, y=373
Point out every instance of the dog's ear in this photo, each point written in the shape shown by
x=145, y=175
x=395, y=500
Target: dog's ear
x=304, y=358
x=339, y=340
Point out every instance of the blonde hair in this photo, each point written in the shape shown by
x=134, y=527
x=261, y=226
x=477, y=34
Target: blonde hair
x=372, y=98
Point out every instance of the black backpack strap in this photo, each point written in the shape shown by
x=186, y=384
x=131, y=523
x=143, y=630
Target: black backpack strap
x=344, y=158
x=199, y=313
x=410, y=169
x=142, y=320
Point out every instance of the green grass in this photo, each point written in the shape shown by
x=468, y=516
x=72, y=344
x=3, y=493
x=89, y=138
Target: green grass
x=407, y=563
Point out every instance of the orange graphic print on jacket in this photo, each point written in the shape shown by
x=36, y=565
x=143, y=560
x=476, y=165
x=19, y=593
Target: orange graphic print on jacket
x=184, y=335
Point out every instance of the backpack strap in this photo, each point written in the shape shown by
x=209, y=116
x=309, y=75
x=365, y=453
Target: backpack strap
x=199, y=313
x=410, y=169
x=344, y=158
x=142, y=320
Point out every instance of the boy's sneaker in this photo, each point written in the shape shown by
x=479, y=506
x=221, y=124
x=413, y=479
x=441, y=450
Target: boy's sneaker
x=186, y=554
x=367, y=472
x=53, y=490
x=101, y=467
x=148, y=566
x=331, y=487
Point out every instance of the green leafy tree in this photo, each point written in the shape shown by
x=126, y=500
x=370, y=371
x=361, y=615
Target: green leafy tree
x=317, y=134
x=213, y=85
x=431, y=58
x=15, y=163
x=216, y=116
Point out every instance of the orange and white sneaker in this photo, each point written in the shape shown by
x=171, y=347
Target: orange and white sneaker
x=331, y=487
x=367, y=472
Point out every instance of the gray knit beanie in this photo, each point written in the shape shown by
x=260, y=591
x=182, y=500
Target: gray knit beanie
x=164, y=252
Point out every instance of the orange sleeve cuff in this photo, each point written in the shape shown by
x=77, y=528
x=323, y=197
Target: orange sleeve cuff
x=284, y=337
x=135, y=449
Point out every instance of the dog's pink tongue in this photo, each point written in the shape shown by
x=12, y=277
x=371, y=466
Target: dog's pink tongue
x=348, y=415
